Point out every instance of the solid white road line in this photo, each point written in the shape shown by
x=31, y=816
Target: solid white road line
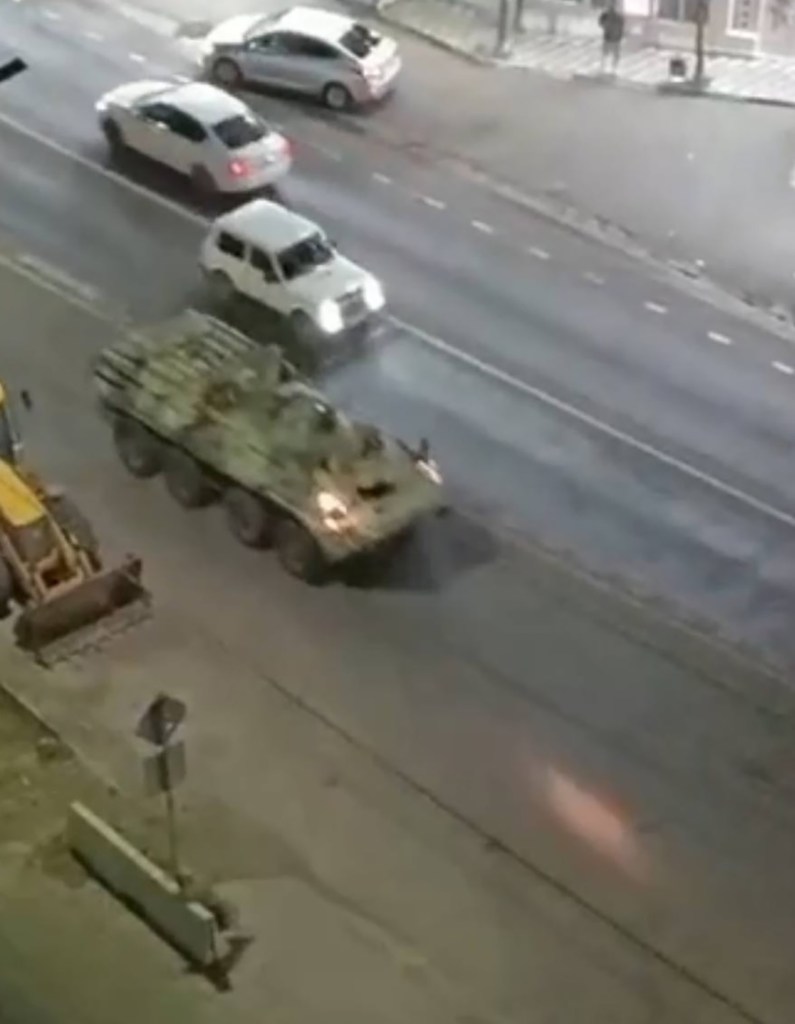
x=495, y=373
x=440, y=345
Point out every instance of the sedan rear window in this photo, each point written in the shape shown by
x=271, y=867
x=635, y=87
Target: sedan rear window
x=360, y=40
x=240, y=131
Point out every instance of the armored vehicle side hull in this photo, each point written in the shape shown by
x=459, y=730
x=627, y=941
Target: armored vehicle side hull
x=224, y=419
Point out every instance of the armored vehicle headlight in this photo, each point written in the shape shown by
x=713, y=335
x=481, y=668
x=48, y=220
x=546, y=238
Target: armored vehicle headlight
x=373, y=294
x=332, y=508
x=329, y=317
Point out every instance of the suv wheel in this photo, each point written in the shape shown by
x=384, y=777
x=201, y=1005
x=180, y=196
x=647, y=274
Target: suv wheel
x=337, y=96
x=221, y=289
x=226, y=72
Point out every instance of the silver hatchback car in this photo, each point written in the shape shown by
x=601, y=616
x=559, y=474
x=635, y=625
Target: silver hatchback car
x=306, y=50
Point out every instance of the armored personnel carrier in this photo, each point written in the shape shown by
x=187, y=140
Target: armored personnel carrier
x=224, y=418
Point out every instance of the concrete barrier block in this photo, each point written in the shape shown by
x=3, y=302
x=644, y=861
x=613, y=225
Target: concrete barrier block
x=188, y=925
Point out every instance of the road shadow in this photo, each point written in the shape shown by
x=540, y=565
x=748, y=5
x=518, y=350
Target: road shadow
x=176, y=188
x=439, y=551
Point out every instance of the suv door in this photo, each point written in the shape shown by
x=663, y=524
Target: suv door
x=228, y=253
x=266, y=284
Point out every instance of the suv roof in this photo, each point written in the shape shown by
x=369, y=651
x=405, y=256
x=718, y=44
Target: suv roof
x=205, y=102
x=262, y=222
x=314, y=21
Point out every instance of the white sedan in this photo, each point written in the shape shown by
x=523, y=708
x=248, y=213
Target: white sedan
x=197, y=130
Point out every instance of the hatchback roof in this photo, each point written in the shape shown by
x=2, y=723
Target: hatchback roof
x=207, y=103
x=314, y=21
x=262, y=222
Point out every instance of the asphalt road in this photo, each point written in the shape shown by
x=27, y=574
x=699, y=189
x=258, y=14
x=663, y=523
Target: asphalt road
x=561, y=406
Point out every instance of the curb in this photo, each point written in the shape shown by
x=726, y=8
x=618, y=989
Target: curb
x=440, y=42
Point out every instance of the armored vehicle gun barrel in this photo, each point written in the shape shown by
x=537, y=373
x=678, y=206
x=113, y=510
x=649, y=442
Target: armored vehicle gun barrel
x=224, y=418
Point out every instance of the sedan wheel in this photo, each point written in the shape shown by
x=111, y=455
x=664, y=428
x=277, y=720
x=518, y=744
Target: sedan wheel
x=114, y=137
x=336, y=96
x=227, y=73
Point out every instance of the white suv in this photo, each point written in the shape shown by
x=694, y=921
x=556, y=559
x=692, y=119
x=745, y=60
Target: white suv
x=283, y=261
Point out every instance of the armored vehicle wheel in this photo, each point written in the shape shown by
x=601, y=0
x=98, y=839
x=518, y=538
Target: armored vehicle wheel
x=250, y=520
x=74, y=523
x=6, y=589
x=299, y=553
x=186, y=481
x=138, y=449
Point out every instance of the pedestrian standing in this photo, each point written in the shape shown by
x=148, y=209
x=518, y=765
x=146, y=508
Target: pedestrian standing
x=611, y=22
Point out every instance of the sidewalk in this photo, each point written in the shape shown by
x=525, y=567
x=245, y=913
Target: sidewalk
x=569, y=47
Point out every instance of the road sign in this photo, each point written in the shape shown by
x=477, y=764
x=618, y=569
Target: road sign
x=10, y=68
x=165, y=770
x=160, y=720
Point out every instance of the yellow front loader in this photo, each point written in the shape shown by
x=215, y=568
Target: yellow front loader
x=51, y=570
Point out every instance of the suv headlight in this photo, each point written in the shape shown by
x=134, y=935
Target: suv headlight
x=373, y=294
x=329, y=317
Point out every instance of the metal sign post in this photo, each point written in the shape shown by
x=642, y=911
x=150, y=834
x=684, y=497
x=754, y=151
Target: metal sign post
x=165, y=769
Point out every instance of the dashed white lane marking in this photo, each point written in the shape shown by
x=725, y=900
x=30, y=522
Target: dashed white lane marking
x=593, y=278
x=434, y=342
x=52, y=15
x=95, y=37
x=383, y=178
x=540, y=254
x=783, y=368
x=138, y=58
x=655, y=307
x=436, y=204
x=531, y=391
x=479, y=225
x=719, y=338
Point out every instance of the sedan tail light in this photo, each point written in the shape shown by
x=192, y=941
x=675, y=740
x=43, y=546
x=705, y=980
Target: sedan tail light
x=239, y=168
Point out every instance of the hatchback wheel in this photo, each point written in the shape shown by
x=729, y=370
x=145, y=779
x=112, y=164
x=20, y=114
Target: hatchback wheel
x=337, y=96
x=227, y=73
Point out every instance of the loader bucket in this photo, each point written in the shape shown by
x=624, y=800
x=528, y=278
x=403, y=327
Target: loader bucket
x=83, y=617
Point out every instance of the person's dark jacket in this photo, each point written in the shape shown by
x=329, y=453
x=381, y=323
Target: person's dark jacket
x=612, y=24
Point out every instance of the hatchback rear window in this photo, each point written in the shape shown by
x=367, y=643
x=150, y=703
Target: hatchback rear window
x=360, y=40
x=240, y=131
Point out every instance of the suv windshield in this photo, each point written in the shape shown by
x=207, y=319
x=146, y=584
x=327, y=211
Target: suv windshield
x=305, y=256
x=360, y=40
x=236, y=132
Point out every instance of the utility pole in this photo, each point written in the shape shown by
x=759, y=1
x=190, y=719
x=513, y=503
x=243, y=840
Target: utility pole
x=701, y=18
x=502, y=47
